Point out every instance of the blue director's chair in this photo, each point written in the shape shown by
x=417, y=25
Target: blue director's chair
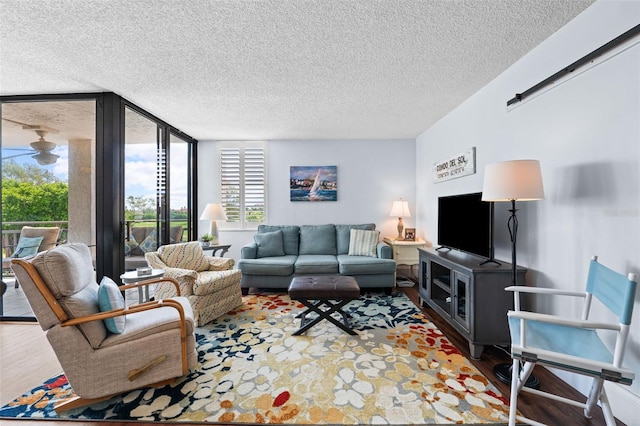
x=574, y=345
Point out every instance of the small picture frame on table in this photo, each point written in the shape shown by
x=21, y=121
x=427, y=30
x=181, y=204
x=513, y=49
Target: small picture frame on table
x=410, y=234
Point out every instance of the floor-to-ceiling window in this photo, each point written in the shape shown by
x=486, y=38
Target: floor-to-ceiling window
x=144, y=185
x=48, y=182
x=106, y=161
x=180, y=184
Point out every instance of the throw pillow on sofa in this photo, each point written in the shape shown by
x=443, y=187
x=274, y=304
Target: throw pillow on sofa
x=269, y=244
x=363, y=243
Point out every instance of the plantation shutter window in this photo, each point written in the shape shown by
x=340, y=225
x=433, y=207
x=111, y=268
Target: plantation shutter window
x=243, y=184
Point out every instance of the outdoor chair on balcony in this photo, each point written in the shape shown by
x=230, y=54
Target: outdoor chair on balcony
x=210, y=283
x=104, y=348
x=32, y=240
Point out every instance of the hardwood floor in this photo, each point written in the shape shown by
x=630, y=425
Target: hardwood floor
x=537, y=408
x=27, y=360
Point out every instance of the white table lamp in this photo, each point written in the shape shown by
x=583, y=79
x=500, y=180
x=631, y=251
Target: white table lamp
x=213, y=212
x=400, y=209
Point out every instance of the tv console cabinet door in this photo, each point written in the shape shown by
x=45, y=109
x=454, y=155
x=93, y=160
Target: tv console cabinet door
x=468, y=295
x=461, y=309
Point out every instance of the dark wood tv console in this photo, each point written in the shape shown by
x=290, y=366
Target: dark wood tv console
x=469, y=295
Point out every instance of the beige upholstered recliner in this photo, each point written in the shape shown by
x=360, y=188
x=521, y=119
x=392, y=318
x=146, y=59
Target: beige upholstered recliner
x=153, y=344
x=210, y=283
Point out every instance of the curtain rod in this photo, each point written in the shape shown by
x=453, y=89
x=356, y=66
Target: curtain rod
x=571, y=68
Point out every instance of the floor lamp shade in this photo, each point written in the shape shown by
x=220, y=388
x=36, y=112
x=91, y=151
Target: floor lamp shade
x=213, y=212
x=400, y=209
x=513, y=180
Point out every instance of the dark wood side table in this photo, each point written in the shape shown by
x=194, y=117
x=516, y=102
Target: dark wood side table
x=215, y=247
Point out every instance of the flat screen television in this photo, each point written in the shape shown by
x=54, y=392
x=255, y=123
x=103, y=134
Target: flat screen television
x=465, y=223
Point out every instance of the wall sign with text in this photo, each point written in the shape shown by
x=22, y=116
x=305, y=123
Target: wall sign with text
x=456, y=166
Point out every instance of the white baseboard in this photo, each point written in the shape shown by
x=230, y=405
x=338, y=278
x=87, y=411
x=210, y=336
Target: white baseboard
x=624, y=404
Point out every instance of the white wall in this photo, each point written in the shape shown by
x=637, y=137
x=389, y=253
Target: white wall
x=371, y=174
x=586, y=134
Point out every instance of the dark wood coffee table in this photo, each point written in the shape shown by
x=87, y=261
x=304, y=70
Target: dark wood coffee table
x=329, y=291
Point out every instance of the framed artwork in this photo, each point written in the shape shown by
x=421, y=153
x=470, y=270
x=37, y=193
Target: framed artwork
x=313, y=183
x=410, y=234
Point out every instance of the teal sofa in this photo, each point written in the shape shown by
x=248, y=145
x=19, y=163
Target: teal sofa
x=281, y=252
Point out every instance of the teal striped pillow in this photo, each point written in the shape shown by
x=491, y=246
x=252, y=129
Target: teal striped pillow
x=363, y=243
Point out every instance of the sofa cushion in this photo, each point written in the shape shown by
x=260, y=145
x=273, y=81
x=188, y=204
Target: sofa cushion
x=282, y=265
x=269, y=244
x=343, y=235
x=318, y=239
x=290, y=236
x=316, y=264
x=363, y=265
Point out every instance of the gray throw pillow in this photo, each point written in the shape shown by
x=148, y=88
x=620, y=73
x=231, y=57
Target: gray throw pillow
x=269, y=244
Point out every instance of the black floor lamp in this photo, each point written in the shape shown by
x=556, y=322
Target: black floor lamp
x=516, y=180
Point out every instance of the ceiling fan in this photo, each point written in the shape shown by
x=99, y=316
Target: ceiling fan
x=42, y=147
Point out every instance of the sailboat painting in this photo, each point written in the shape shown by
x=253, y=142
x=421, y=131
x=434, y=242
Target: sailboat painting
x=313, y=183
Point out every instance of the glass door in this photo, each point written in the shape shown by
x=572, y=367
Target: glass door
x=180, y=200
x=144, y=187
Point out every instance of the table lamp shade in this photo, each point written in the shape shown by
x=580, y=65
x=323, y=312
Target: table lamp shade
x=400, y=208
x=513, y=180
x=213, y=212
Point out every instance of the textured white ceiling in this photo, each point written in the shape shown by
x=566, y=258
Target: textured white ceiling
x=291, y=69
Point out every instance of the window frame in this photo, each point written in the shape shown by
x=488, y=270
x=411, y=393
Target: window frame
x=242, y=147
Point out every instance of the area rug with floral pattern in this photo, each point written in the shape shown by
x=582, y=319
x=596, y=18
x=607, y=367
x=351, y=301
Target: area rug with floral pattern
x=398, y=369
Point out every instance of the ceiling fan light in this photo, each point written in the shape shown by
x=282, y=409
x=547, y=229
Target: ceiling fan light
x=45, y=158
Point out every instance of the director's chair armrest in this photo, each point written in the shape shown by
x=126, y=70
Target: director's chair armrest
x=548, y=291
x=517, y=289
x=554, y=319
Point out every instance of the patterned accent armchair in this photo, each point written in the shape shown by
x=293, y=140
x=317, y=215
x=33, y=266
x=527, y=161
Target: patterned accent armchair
x=210, y=283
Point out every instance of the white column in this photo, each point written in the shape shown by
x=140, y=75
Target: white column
x=82, y=187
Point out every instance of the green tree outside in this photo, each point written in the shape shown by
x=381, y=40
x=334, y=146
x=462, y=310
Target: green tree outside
x=31, y=193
